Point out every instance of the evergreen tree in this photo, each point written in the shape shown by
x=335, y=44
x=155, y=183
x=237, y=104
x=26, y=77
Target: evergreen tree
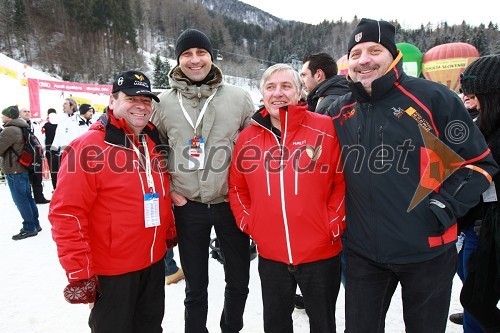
x=160, y=73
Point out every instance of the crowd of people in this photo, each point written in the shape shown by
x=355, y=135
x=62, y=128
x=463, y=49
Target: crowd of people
x=365, y=179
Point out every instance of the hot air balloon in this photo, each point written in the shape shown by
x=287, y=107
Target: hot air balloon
x=412, y=59
x=444, y=63
x=343, y=65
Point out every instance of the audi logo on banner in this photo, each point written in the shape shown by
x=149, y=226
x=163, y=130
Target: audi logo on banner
x=44, y=84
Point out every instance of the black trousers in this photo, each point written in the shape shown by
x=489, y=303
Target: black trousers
x=319, y=282
x=425, y=289
x=53, y=161
x=194, y=222
x=130, y=303
x=36, y=184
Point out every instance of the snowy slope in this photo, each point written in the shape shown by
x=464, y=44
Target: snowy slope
x=32, y=282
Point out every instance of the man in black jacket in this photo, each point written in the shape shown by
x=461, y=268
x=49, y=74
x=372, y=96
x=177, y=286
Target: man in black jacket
x=35, y=171
x=49, y=128
x=414, y=161
x=320, y=79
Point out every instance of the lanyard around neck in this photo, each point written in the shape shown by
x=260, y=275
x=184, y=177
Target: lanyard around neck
x=149, y=175
x=202, y=113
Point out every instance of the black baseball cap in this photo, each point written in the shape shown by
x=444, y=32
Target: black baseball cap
x=134, y=83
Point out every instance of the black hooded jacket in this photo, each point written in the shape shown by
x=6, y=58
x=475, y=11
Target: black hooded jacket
x=326, y=93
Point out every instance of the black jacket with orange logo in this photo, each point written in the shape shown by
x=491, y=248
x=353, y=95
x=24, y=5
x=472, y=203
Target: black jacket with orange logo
x=414, y=161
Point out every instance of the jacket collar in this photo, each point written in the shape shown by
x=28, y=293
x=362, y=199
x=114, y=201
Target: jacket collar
x=381, y=86
x=180, y=82
x=335, y=85
x=291, y=116
x=116, y=131
x=18, y=122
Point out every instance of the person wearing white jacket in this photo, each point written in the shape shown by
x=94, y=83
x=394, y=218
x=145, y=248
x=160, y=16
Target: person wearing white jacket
x=70, y=128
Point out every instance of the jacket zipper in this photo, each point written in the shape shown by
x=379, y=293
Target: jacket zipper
x=282, y=188
x=381, y=137
x=282, y=193
x=266, y=166
x=296, y=172
x=370, y=125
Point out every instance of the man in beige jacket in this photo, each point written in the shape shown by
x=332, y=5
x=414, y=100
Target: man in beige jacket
x=199, y=119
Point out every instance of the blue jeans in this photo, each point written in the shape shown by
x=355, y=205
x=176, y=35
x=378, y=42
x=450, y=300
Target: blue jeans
x=194, y=222
x=469, y=246
x=170, y=264
x=425, y=290
x=20, y=189
x=319, y=282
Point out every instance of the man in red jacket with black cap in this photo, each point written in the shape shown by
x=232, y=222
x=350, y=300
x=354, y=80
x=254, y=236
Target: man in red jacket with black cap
x=111, y=214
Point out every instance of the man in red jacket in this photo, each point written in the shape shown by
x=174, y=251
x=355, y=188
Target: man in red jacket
x=111, y=214
x=286, y=193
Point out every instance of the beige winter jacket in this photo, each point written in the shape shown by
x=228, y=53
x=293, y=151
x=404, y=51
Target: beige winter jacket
x=226, y=115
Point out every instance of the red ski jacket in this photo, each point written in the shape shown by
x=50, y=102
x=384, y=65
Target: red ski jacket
x=287, y=193
x=97, y=211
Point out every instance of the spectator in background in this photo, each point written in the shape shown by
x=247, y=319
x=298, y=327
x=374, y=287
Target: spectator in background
x=70, y=107
x=173, y=273
x=49, y=129
x=320, y=80
x=480, y=294
x=286, y=193
x=202, y=111
x=86, y=114
x=401, y=214
x=467, y=238
x=11, y=147
x=35, y=172
x=69, y=128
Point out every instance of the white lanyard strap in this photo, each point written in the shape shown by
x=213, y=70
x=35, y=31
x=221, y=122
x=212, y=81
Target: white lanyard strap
x=202, y=113
x=149, y=175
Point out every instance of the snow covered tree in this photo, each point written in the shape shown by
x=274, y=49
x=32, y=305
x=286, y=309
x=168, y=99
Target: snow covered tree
x=160, y=74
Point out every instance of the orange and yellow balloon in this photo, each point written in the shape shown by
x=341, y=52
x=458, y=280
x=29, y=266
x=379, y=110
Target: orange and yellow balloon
x=444, y=63
x=343, y=65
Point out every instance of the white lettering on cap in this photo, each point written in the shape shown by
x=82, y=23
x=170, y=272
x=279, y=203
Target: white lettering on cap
x=139, y=83
x=120, y=80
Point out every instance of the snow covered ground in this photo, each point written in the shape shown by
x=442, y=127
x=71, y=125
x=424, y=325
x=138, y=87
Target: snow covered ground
x=31, y=280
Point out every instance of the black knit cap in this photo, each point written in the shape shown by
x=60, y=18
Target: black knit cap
x=368, y=30
x=12, y=112
x=134, y=83
x=84, y=108
x=482, y=76
x=190, y=38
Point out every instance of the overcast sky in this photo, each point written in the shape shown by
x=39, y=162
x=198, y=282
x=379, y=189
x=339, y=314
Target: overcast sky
x=410, y=14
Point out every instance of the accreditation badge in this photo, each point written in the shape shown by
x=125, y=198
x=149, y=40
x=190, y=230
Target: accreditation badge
x=151, y=210
x=196, y=158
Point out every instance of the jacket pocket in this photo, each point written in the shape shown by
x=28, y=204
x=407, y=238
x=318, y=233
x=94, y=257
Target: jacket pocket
x=443, y=214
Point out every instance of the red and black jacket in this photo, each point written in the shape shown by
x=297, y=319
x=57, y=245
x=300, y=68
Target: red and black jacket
x=405, y=192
